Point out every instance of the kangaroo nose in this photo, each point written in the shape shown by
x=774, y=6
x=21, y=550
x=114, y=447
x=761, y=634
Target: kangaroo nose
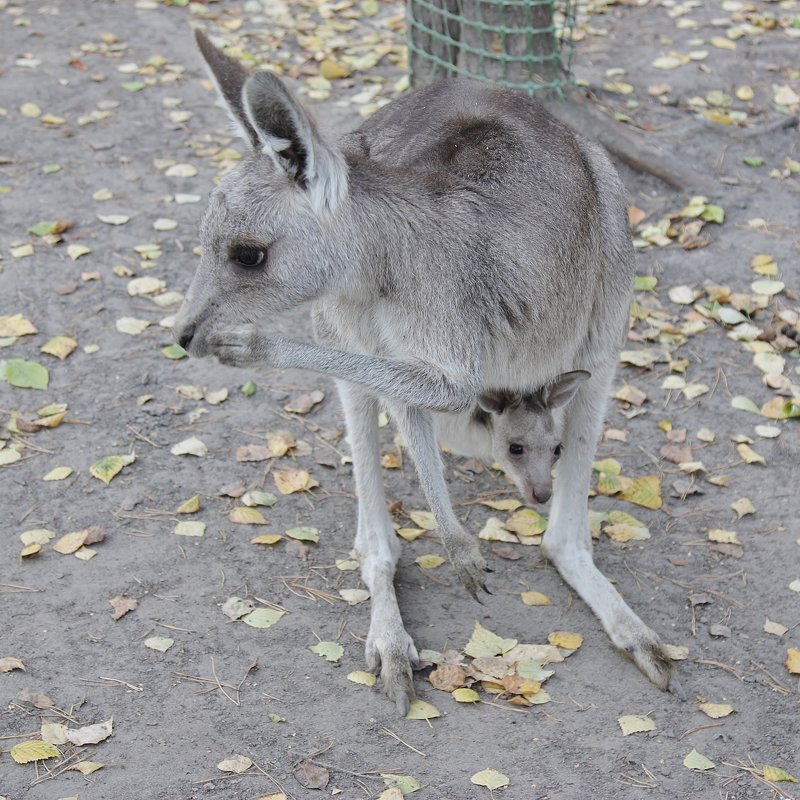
x=185, y=336
x=542, y=495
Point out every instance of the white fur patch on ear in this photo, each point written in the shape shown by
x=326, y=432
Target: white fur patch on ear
x=327, y=187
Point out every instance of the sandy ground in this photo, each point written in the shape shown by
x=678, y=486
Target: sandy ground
x=226, y=688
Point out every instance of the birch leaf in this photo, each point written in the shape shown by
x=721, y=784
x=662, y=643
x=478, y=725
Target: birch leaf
x=330, y=651
x=160, y=643
x=490, y=778
x=107, y=468
x=262, y=617
x=419, y=709
x=636, y=723
x=697, y=761
x=33, y=750
x=90, y=734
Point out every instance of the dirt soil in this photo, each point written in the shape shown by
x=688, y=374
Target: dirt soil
x=111, y=80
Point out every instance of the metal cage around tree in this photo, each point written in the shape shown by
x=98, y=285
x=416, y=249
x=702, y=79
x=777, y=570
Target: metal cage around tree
x=522, y=44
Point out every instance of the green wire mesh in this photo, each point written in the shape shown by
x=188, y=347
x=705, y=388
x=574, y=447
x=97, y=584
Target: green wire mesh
x=522, y=44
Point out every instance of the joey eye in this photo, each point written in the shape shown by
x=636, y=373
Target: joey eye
x=516, y=449
x=557, y=451
x=249, y=257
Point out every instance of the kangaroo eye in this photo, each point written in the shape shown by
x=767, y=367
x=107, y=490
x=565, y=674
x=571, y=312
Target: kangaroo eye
x=248, y=257
x=516, y=449
x=557, y=451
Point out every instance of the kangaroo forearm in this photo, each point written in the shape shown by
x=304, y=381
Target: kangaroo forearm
x=417, y=385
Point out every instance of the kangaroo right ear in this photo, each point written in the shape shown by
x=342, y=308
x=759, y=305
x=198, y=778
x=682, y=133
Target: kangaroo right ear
x=230, y=77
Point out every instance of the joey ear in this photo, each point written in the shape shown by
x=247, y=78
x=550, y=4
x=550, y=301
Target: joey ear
x=565, y=386
x=287, y=134
x=230, y=77
x=496, y=401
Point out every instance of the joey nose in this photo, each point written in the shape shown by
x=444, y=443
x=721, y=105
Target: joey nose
x=541, y=495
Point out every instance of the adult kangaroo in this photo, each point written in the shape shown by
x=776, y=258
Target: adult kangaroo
x=461, y=241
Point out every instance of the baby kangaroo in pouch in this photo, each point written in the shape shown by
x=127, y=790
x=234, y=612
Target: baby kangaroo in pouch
x=460, y=240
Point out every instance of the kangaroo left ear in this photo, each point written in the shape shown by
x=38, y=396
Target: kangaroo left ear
x=565, y=386
x=496, y=401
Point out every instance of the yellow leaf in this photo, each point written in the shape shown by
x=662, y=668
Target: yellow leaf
x=266, y=538
x=465, y=695
x=429, y=561
x=262, y=617
x=493, y=531
x=58, y=474
x=793, y=660
x=247, y=516
x=748, y=455
x=485, y=643
x=723, y=537
x=419, y=709
x=59, y=346
x=33, y=750
x=30, y=550
x=535, y=599
x=160, y=643
x=722, y=43
x=777, y=774
x=86, y=767
x=289, y=481
x=332, y=70
x=409, y=534
x=423, y=519
x=635, y=723
x=502, y=505
x=71, y=542
x=354, y=596
x=644, y=492
x=75, y=251
x=565, y=640
x=716, y=710
x=490, y=778
x=16, y=325
x=743, y=506
x=190, y=506
x=526, y=522
x=361, y=677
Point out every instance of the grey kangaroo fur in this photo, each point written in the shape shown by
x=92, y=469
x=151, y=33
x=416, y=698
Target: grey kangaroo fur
x=461, y=241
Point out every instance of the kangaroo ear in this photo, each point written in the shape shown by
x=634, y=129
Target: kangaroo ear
x=230, y=77
x=496, y=401
x=564, y=387
x=288, y=135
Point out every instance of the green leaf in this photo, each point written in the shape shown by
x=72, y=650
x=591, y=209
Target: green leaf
x=248, y=389
x=24, y=374
x=777, y=774
x=331, y=651
x=419, y=709
x=106, y=468
x=174, y=352
x=645, y=283
x=304, y=534
x=712, y=213
x=635, y=723
x=405, y=783
x=133, y=86
x=744, y=404
x=262, y=617
x=490, y=778
x=698, y=761
x=753, y=161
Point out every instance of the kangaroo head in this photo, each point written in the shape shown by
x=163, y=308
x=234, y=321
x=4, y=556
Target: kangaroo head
x=526, y=430
x=265, y=234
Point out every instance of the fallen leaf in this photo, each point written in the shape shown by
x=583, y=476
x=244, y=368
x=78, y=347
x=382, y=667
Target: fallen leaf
x=106, y=468
x=429, y=561
x=262, y=617
x=485, y=643
x=160, y=643
x=535, y=599
x=237, y=764
x=716, y=710
x=330, y=651
x=644, y=492
x=33, y=750
x=775, y=628
x=267, y=539
x=243, y=515
x=289, y=481
x=565, y=640
x=697, y=761
x=311, y=776
x=423, y=519
x=90, y=734
x=636, y=723
x=190, y=528
x=793, y=660
x=10, y=663
x=24, y=374
x=303, y=534
x=86, y=767
x=122, y=605
x=58, y=474
x=748, y=455
x=236, y=607
x=54, y=733
x=354, y=596
x=362, y=678
x=131, y=325
x=493, y=531
x=189, y=447
x=70, y=542
x=743, y=506
x=465, y=695
x=16, y=325
x=777, y=774
x=490, y=778
x=419, y=709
